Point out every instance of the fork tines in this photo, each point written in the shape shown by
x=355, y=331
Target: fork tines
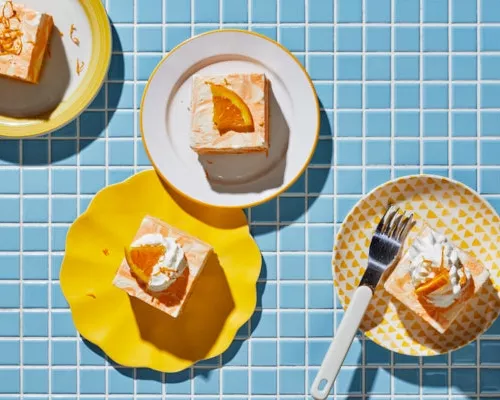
x=395, y=223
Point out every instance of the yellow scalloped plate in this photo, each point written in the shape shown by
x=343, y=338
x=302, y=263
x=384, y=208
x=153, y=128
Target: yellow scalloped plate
x=449, y=207
x=131, y=332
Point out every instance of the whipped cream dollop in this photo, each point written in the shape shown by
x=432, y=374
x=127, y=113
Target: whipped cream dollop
x=170, y=265
x=431, y=255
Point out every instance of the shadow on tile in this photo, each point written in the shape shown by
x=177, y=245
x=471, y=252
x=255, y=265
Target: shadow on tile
x=64, y=144
x=202, y=370
x=292, y=205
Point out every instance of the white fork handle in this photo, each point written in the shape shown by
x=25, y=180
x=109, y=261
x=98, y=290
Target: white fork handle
x=341, y=342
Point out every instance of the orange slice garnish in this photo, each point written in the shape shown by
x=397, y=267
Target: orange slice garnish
x=230, y=112
x=142, y=259
x=434, y=284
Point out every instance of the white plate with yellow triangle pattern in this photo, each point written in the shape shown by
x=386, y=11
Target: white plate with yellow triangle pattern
x=450, y=208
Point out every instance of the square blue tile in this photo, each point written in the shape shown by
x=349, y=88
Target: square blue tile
x=293, y=37
x=264, y=11
x=349, y=381
x=264, y=381
x=64, y=210
x=464, y=67
x=120, y=381
x=206, y=11
x=149, y=38
x=121, y=153
x=378, y=11
x=149, y=382
x=264, y=353
x=292, y=267
x=35, y=295
x=435, y=11
x=35, y=151
x=406, y=95
x=36, y=352
x=10, y=295
x=406, y=38
x=407, y=152
x=292, y=295
x=435, y=152
x=92, y=180
x=292, y=11
x=320, y=295
x=376, y=355
x=175, y=35
x=178, y=11
x=377, y=67
x=464, y=123
x=321, y=38
x=35, y=209
x=464, y=96
x=316, y=351
x=265, y=212
x=435, y=38
x=11, y=381
x=10, y=181
x=9, y=238
x=320, y=322
x=489, y=152
x=121, y=11
x=150, y=11
x=378, y=124
x=349, y=152
x=64, y=353
x=435, y=123
x=463, y=38
x=235, y=381
x=292, y=381
x=9, y=324
x=349, y=38
x=292, y=238
x=349, y=11
x=35, y=324
x=92, y=381
x=466, y=355
x=323, y=153
x=320, y=209
x=464, y=152
x=377, y=95
x=292, y=353
x=378, y=39
x=320, y=10
x=235, y=11
x=378, y=152
x=9, y=151
x=265, y=324
x=64, y=152
x=435, y=68
x=10, y=209
x=435, y=381
x=320, y=238
x=489, y=35
x=269, y=31
x=292, y=324
x=267, y=295
x=208, y=383
x=62, y=325
x=10, y=266
x=406, y=381
x=407, y=11
x=407, y=67
x=489, y=95
x=90, y=354
x=320, y=180
x=490, y=11
x=349, y=67
x=58, y=299
x=92, y=153
x=349, y=95
x=325, y=94
x=463, y=380
x=349, y=124
x=321, y=67
x=467, y=176
x=349, y=181
x=146, y=63
x=319, y=267
x=59, y=237
x=378, y=381
x=35, y=238
x=435, y=96
x=375, y=177
x=10, y=350
x=464, y=11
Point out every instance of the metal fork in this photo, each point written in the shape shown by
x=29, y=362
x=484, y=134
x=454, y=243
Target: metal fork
x=385, y=248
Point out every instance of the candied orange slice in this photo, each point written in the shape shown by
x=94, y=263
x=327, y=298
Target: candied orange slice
x=434, y=284
x=142, y=259
x=230, y=111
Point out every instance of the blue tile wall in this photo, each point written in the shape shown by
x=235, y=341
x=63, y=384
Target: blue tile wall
x=405, y=86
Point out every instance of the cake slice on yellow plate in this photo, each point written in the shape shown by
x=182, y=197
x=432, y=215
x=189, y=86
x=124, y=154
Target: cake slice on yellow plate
x=161, y=265
x=229, y=113
x=435, y=279
x=24, y=38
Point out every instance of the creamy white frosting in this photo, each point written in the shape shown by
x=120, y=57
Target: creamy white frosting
x=428, y=256
x=169, y=267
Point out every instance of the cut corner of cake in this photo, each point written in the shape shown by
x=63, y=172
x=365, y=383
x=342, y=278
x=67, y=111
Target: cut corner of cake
x=240, y=99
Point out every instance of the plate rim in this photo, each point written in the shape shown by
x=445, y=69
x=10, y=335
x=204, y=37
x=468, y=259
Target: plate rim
x=306, y=161
x=87, y=89
x=359, y=202
x=230, y=336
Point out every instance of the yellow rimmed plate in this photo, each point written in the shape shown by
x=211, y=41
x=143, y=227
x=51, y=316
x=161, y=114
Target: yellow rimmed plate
x=62, y=94
x=131, y=332
x=230, y=180
x=449, y=207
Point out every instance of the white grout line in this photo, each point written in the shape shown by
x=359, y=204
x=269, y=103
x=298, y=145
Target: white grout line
x=21, y=272
x=278, y=244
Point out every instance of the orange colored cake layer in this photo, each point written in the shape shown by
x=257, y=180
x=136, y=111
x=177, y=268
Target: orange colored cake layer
x=175, y=296
x=400, y=285
x=24, y=37
x=230, y=114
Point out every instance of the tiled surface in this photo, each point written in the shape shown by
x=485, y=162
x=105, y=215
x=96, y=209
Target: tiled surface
x=406, y=86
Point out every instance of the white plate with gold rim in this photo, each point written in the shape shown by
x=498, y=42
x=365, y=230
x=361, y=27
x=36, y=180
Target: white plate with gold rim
x=63, y=92
x=448, y=207
x=240, y=180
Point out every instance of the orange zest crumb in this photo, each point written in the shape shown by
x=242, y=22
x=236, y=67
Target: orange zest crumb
x=72, y=30
x=61, y=34
x=91, y=295
x=79, y=66
x=105, y=252
x=10, y=32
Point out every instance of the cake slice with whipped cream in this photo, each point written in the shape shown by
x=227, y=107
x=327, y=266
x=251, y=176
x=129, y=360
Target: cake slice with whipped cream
x=161, y=265
x=435, y=278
